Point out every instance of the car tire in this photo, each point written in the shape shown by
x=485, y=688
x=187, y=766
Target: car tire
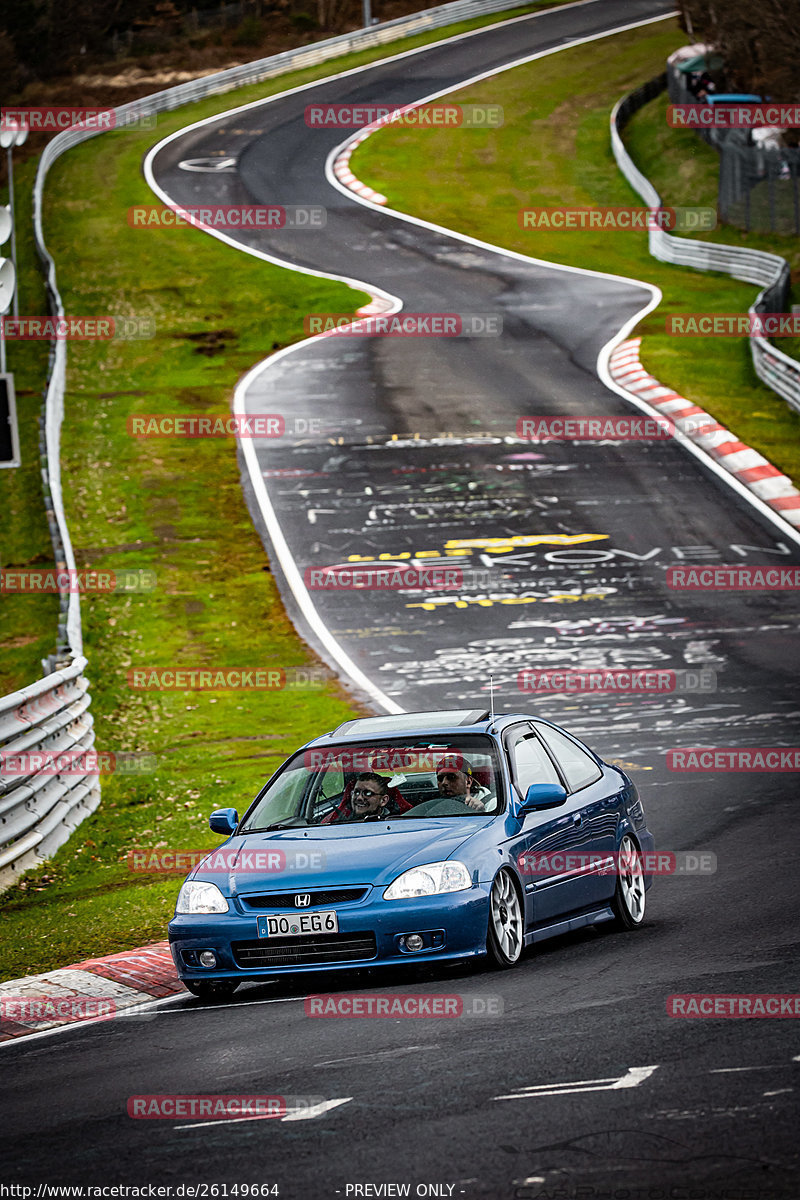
x=212, y=991
x=505, y=935
x=629, y=894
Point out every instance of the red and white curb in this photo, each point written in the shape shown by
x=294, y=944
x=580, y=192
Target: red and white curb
x=341, y=168
x=341, y=164
x=745, y=464
x=87, y=990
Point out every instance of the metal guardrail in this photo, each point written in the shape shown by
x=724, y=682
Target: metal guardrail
x=774, y=368
x=39, y=809
x=39, y=812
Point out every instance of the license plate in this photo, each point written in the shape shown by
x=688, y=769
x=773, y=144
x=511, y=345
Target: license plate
x=297, y=924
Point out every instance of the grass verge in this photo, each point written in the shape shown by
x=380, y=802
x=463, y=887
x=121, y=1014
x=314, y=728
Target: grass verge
x=554, y=151
x=171, y=507
x=27, y=623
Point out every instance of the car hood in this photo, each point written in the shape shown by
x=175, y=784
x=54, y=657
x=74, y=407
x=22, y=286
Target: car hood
x=324, y=856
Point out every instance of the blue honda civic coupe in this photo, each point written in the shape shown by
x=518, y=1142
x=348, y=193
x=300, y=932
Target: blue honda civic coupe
x=429, y=835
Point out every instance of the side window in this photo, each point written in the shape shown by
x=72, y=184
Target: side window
x=530, y=762
x=579, y=769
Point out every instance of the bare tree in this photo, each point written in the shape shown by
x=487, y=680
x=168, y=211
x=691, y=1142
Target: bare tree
x=759, y=41
x=333, y=15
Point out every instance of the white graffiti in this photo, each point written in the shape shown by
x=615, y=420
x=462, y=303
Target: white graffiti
x=211, y=166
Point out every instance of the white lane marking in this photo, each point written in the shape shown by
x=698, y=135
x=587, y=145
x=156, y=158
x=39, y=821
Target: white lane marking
x=194, y=1008
x=293, y=576
x=151, y=1009
x=292, y=1114
x=308, y=1114
x=777, y=1092
x=631, y=1079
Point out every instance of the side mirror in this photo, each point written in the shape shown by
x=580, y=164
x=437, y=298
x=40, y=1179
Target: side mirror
x=224, y=820
x=543, y=795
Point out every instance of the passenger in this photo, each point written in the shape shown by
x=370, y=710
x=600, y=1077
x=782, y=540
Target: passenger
x=456, y=781
x=368, y=798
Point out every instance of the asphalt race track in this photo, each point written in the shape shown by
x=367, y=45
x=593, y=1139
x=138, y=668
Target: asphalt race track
x=565, y=548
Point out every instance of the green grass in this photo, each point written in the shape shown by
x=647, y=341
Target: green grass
x=27, y=623
x=554, y=151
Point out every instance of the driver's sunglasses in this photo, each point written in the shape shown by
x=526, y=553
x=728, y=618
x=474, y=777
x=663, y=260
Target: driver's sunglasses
x=364, y=792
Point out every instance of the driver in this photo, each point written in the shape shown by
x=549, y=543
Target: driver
x=369, y=798
x=456, y=781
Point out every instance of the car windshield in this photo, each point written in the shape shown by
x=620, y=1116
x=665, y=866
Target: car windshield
x=395, y=780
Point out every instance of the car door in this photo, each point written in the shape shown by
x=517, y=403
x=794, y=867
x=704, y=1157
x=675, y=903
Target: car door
x=553, y=888
x=596, y=809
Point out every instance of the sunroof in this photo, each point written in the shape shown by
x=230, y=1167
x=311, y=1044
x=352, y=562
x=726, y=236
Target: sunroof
x=438, y=719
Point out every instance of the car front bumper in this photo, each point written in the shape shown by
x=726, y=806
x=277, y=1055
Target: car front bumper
x=453, y=926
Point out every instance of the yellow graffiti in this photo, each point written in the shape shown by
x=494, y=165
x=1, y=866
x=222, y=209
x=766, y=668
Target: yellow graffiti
x=462, y=547
x=507, y=544
x=485, y=602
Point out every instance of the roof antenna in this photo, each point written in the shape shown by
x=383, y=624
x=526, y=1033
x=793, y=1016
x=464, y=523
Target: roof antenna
x=491, y=695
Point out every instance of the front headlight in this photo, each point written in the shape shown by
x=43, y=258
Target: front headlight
x=431, y=880
x=198, y=897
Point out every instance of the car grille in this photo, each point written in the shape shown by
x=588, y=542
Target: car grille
x=286, y=899
x=327, y=947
